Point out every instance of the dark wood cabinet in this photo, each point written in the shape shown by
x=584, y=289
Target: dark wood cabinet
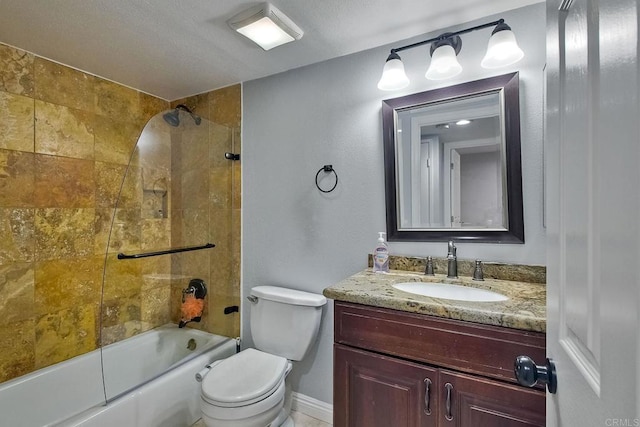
x=480, y=402
x=378, y=390
x=400, y=369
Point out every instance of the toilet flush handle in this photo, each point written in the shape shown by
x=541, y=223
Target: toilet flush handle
x=253, y=298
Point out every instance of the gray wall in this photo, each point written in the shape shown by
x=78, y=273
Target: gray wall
x=329, y=113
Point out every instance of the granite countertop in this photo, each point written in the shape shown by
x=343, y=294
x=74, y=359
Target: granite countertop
x=525, y=309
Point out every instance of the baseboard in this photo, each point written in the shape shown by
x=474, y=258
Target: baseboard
x=312, y=407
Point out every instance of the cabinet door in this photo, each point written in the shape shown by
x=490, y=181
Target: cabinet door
x=470, y=401
x=372, y=390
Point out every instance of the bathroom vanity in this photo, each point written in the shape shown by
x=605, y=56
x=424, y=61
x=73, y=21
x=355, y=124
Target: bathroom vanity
x=402, y=359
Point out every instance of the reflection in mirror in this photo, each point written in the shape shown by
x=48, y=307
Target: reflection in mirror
x=452, y=163
x=450, y=155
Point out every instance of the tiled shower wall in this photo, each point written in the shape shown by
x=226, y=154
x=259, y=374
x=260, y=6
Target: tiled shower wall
x=66, y=138
x=213, y=207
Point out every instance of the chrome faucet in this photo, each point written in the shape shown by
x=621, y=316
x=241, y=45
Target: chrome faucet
x=452, y=261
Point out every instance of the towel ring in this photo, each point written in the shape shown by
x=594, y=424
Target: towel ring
x=327, y=168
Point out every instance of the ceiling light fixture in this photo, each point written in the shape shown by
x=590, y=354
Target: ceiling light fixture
x=502, y=50
x=266, y=25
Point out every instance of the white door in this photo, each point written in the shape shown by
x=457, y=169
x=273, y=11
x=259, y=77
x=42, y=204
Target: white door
x=456, y=188
x=592, y=157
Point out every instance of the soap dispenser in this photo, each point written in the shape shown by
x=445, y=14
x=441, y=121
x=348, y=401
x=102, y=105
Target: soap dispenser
x=381, y=255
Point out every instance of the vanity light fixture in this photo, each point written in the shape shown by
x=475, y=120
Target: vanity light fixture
x=266, y=25
x=502, y=50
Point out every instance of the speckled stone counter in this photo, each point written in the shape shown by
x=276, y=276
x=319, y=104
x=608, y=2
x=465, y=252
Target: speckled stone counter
x=525, y=309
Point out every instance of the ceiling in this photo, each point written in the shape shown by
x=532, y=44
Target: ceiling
x=176, y=48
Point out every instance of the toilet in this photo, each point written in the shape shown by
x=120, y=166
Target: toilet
x=248, y=389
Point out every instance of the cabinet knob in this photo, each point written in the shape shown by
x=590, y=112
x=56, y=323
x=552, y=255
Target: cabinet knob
x=529, y=374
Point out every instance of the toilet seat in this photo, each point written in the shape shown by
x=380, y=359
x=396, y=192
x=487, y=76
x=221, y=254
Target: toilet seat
x=244, y=379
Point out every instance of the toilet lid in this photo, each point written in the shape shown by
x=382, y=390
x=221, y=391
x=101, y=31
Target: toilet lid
x=244, y=378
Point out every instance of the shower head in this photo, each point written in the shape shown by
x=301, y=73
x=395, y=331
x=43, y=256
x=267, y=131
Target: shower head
x=173, y=117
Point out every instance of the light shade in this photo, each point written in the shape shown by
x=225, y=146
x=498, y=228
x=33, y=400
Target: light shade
x=266, y=26
x=503, y=49
x=393, y=75
x=444, y=63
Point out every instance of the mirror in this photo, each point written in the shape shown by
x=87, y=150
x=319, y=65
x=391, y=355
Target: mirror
x=452, y=163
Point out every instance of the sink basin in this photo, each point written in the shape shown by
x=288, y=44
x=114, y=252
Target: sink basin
x=448, y=291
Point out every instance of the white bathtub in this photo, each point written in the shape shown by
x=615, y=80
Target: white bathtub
x=72, y=393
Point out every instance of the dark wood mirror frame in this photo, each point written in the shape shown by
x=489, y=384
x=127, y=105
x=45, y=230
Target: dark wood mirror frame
x=509, y=83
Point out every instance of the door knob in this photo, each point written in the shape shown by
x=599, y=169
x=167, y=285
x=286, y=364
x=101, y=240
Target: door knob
x=529, y=374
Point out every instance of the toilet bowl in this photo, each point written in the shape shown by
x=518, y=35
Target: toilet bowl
x=248, y=389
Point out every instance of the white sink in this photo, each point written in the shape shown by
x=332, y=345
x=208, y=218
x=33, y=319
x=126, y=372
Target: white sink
x=448, y=291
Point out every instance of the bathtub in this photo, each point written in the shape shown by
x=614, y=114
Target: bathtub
x=73, y=394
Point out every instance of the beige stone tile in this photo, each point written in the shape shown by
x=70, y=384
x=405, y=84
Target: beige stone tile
x=59, y=84
x=156, y=234
x=175, y=299
x=66, y=334
x=118, y=103
x=220, y=187
x=16, y=292
x=16, y=71
x=115, y=140
x=125, y=232
x=16, y=122
x=236, y=249
x=151, y=105
x=17, y=178
x=156, y=185
x=122, y=278
x=64, y=233
x=220, y=228
x=220, y=323
x=154, y=146
x=63, y=131
x=220, y=142
x=236, y=131
x=236, y=185
x=226, y=107
x=108, y=179
x=101, y=227
x=195, y=148
x=123, y=310
x=158, y=265
x=156, y=272
x=155, y=306
x=190, y=227
x=131, y=193
x=17, y=228
x=17, y=349
x=63, y=284
x=64, y=182
x=195, y=189
x=193, y=264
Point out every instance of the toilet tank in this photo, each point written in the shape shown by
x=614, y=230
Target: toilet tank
x=285, y=321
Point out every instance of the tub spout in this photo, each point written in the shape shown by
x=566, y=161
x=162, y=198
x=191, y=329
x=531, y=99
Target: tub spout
x=183, y=323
